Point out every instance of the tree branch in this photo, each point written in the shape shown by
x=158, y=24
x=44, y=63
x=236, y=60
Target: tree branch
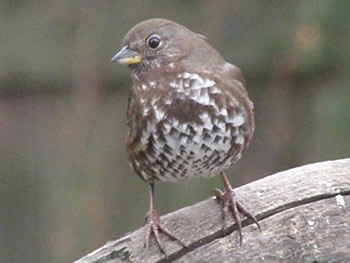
x=304, y=214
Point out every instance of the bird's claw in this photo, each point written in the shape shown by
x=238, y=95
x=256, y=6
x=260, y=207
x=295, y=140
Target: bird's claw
x=229, y=201
x=153, y=227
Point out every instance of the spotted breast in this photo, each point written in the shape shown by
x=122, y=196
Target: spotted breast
x=189, y=125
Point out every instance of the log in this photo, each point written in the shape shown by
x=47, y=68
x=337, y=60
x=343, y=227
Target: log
x=304, y=215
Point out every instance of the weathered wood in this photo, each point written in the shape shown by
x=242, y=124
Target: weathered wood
x=304, y=214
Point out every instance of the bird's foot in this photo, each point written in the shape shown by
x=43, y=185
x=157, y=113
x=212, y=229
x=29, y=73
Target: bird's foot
x=153, y=227
x=229, y=201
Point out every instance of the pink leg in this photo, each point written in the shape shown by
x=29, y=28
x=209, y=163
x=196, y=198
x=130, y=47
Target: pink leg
x=229, y=201
x=154, y=225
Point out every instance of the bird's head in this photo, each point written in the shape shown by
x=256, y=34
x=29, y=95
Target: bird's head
x=154, y=43
x=157, y=43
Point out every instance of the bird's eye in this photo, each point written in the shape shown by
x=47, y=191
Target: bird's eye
x=153, y=42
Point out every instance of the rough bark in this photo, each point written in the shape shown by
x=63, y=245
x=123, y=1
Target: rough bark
x=304, y=215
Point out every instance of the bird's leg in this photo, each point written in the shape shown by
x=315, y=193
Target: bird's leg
x=229, y=201
x=154, y=225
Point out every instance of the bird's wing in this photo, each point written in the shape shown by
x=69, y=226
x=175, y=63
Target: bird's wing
x=233, y=72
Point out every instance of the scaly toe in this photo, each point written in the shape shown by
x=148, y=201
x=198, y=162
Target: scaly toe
x=153, y=227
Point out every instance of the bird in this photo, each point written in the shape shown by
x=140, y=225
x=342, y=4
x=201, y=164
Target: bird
x=188, y=115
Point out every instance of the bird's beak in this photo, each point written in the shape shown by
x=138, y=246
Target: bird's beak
x=127, y=56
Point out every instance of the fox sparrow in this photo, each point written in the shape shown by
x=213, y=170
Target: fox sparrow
x=189, y=114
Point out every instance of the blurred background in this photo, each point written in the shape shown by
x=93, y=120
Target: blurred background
x=65, y=184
